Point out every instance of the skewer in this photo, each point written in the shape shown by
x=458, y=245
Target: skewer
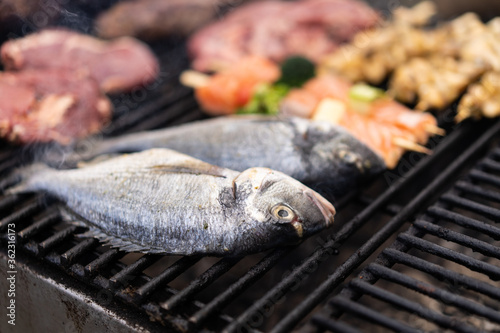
x=410, y=145
x=194, y=79
x=432, y=129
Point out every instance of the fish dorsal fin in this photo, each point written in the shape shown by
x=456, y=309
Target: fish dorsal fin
x=162, y=160
x=191, y=167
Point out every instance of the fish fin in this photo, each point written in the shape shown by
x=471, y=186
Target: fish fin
x=193, y=167
x=122, y=244
x=95, y=160
x=18, y=181
x=119, y=243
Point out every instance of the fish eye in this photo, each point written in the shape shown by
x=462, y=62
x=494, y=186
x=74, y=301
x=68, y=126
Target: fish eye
x=283, y=213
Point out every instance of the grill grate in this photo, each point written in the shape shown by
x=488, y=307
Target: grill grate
x=118, y=275
x=467, y=252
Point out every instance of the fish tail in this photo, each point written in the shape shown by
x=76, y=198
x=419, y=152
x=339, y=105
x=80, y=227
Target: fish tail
x=24, y=179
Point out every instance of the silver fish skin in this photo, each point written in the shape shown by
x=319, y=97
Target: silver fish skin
x=311, y=152
x=162, y=201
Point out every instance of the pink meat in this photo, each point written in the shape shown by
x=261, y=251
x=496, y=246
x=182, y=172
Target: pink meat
x=278, y=29
x=119, y=65
x=50, y=105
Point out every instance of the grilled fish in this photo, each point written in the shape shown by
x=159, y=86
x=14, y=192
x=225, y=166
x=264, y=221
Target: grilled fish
x=311, y=152
x=162, y=201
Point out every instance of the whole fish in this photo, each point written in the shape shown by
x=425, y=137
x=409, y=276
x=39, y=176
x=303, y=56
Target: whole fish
x=162, y=201
x=311, y=152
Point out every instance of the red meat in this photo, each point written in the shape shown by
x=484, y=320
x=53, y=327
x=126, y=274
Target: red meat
x=119, y=65
x=50, y=105
x=278, y=29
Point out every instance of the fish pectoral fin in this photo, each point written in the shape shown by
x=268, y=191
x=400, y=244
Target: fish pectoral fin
x=201, y=168
x=121, y=244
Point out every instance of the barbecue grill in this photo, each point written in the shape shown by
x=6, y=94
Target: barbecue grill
x=417, y=249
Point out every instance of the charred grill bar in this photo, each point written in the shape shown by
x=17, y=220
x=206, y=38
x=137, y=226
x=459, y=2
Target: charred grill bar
x=478, y=184
x=42, y=234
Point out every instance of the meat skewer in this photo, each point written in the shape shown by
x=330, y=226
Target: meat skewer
x=387, y=127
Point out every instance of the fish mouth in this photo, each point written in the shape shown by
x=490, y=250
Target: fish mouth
x=324, y=206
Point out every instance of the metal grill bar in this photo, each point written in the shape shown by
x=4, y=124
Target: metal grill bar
x=10, y=163
x=77, y=251
x=434, y=292
x=465, y=221
x=49, y=218
x=238, y=287
x=477, y=190
x=178, y=109
x=56, y=239
x=125, y=275
x=334, y=326
x=8, y=201
x=371, y=315
x=484, y=210
x=328, y=247
x=485, y=177
x=441, y=273
x=403, y=303
x=31, y=207
x=423, y=245
x=453, y=236
x=166, y=276
x=490, y=164
x=210, y=275
x=384, y=233
x=132, y=121
x=104, y=259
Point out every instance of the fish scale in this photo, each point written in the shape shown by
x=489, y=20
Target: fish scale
x=162, y=201
x=308, y=151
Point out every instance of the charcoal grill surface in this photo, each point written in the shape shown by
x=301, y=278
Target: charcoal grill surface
x=416, y=249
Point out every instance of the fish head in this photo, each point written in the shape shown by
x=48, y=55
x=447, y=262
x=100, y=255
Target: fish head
x=332, y=150
x=282, y=209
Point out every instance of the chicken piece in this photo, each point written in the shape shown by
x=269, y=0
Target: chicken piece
x=373, y=54
x=119, y=65
x=50, y=105
x=433, y=83
x=481, y=99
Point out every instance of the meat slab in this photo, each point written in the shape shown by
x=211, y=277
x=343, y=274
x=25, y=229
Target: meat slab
x=50, y=105
x=119, y=65
x=155, y=19
x=278, y=29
